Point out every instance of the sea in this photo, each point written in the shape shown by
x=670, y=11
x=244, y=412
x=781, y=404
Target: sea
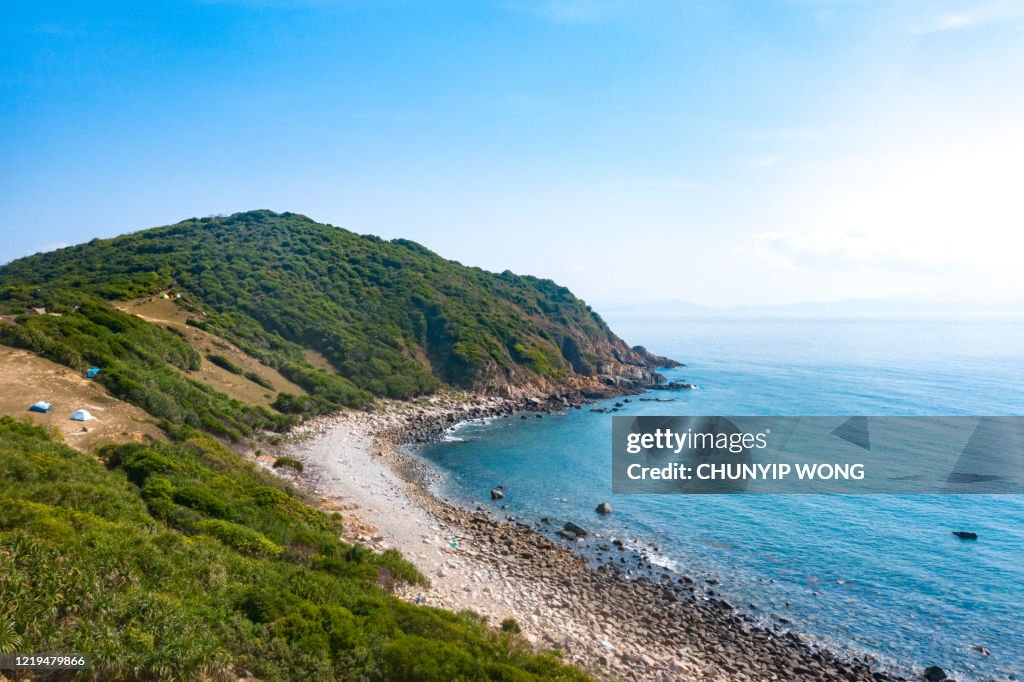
x=877, y=575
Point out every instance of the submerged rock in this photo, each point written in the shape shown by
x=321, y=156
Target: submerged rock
x=497, y=495
x=604, y=508
x=965, y=534
x=934, y=673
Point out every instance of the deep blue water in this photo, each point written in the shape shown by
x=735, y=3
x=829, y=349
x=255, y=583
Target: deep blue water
x=881, y=575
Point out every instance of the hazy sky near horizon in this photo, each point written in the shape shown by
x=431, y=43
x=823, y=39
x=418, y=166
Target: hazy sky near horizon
x=716, y=152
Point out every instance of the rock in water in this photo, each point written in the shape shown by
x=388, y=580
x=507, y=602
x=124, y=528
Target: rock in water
x=965, y=535
x=575, y=530
x=604, y=508
x=497, y=495
x=934, y=673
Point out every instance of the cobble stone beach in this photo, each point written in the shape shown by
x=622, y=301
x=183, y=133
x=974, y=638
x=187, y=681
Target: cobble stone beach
x=618, y=619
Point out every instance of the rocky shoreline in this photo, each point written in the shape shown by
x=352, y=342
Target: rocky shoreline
x=618, y=619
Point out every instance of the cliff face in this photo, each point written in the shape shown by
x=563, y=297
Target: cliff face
x=598, y=367
x=391, y=317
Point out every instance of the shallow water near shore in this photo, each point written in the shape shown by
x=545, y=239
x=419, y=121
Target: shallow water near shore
x=879, y=575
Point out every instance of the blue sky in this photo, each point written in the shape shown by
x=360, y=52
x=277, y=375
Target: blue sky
x=717, y=152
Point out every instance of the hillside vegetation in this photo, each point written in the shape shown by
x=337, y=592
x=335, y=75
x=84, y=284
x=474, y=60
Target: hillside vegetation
x=180, y=561
x=239, y=375
x=142, y=363
x=392, y=318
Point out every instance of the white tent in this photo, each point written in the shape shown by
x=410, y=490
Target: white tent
x=82, y=416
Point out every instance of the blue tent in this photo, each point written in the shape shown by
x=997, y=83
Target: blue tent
x=92, y=372
x=41, y=406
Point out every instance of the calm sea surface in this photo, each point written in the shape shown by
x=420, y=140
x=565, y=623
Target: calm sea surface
x=882, y=575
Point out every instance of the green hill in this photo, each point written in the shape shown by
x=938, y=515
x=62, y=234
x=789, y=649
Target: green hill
x=392, y=319
x=180, y=560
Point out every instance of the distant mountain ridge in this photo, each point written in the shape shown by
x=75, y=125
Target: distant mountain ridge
x=391, y=317
x=854, y=308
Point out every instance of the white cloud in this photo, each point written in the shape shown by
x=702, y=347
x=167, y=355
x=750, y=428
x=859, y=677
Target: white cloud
x=940, y=212
x=946, y=22
x=760, y=162
x=840, y=250
x=951, y=16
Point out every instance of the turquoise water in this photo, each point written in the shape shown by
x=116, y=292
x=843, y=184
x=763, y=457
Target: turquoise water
x=881, y=575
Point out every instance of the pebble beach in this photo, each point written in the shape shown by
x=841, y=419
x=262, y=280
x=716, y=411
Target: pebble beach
x=603, y=618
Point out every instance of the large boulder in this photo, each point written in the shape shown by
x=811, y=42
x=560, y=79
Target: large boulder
x=934, y=673
x=578, y=531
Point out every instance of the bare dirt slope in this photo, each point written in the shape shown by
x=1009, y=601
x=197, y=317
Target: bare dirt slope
x=167, y=313
x=26, y=378
x=317, y=360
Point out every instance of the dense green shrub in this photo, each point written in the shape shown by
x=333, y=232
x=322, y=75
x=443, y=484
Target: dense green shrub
x=238, y=537
x=415, y=659
x=201, y=499
x=139, y=462
x=510, y=625
x=259, y=380
x=290, y=463
x=224, y=363
x=288, y=403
